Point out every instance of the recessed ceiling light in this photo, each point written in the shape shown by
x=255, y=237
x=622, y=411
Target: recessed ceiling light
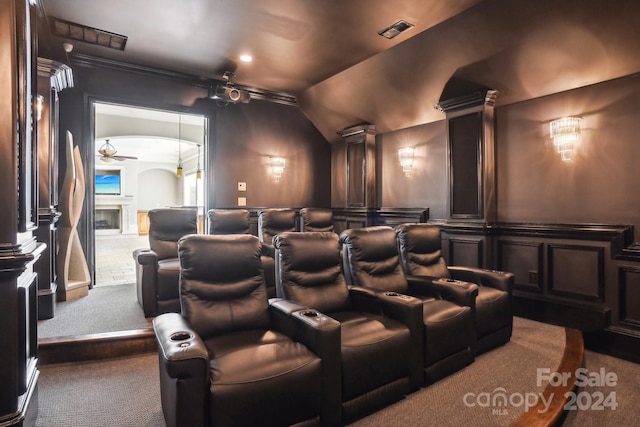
x=246, y=57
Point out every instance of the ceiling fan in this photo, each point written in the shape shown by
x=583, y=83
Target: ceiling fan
x=108, y=153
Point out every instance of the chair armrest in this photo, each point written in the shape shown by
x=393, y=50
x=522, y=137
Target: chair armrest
x=145, y=256
x=320, y=334
x=146, y=280
x=403, y=308
x=459, y=292
x=496, y=279
x=184, y=371
x=315, y=330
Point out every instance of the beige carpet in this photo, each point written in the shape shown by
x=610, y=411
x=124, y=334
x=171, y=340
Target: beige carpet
x=465, y=398
x=105, y=309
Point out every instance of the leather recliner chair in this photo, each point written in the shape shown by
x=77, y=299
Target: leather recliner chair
x=157, y=268
x=421, y=255
x=270, y=223
x=371, y=260
x=230, y=358
x=381, y=355
x=316, y=219
x=229, y=221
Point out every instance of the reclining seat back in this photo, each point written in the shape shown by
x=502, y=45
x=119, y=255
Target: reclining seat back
x=274, y=221
x=316, y=219
x=420, y=251
x=308, y=270
x=224, y=293
x=228, y=221
x=373, y=264
x=157, y=285
x=270, y=223
x=167, y=226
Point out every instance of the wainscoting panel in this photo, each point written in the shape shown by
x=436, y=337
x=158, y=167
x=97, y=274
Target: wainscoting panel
x=629, y=287
x=465, y=251
x=576, y=271
x=582, y=276
x=524, y=259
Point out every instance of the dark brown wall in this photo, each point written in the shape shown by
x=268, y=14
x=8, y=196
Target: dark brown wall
x=533, y=184
x=246, y=135
x=599, y=186
x=427, y=185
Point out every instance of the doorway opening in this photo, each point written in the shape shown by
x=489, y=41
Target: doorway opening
x=134, y=173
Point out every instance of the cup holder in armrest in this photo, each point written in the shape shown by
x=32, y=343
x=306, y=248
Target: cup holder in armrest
x=180, y=336
x=310, y=313
x=397, y=295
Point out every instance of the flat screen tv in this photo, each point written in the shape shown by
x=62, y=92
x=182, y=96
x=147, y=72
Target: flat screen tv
x=108, y=183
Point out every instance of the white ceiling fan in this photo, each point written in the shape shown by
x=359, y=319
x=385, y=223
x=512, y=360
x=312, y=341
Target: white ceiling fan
x=108, y=153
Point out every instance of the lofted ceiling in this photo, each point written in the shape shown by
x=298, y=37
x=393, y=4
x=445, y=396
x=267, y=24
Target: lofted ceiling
x=329, y=55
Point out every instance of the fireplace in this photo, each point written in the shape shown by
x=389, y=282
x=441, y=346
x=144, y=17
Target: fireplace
x=108, y=219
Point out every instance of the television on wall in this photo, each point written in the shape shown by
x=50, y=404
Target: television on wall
x=108, y=182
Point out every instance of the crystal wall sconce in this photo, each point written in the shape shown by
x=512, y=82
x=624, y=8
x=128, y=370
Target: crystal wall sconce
x=565, y=133
x=405, y=157
x=276, y=165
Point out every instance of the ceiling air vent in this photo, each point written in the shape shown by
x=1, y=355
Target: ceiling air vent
x=86, y=34
x=395, y=29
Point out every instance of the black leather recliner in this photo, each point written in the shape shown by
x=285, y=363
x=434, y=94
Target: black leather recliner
x=229, y=221
x=381, y=335
x=157, y=268
x=316, y=219
x=421, y=255
x=270, y=223
x=230, y=358
x=371, y=260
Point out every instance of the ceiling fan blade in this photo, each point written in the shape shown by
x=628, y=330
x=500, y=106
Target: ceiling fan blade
x=121, y=158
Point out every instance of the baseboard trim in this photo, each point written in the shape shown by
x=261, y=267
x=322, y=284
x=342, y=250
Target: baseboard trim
x=96, y=346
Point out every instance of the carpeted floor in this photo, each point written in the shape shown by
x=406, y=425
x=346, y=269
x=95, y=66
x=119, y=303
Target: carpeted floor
x=125, y=392
x=105, y=309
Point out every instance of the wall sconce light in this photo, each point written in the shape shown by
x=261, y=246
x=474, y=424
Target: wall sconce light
x=406, y=156
x=565, y=133
x=39, y=106
x=276, y=164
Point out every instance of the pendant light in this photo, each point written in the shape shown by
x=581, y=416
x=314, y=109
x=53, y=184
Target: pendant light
x=198, y=170
x=179, y=167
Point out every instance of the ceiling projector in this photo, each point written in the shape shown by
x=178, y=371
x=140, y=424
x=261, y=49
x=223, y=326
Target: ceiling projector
x=229, y=93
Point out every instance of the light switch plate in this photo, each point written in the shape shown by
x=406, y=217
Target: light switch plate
x=242, y=201
x=242, y=186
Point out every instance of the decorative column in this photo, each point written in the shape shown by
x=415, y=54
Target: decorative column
x=53, y=77
x=471, y=170
x=359, y=172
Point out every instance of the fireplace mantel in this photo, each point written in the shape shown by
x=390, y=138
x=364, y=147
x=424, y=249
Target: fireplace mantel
x=122, y=204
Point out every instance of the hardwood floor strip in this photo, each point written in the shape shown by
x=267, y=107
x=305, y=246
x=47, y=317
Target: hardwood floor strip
x=572, y=359
x=96, y=346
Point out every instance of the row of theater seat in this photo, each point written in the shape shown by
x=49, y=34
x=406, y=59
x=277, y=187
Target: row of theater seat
x=360, y=320
x=157, y=267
